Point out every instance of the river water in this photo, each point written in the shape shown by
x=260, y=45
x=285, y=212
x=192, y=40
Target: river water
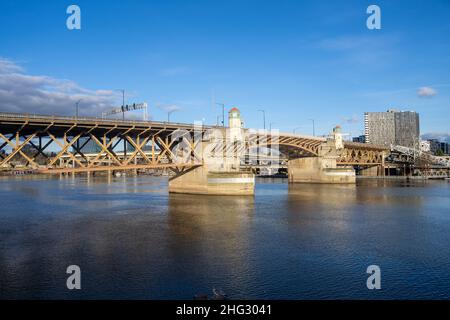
x=133, y=240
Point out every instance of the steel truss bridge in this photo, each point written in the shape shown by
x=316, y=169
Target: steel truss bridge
x=25, y=138
x=405, y=154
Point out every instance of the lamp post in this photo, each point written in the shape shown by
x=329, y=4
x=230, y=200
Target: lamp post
x=77, y=105
x=293, y=131
x=264, y=117
x=223, y=113
x=313, y=127
x=123, y=119
x=270, y=126
x=169, y=113
x=123, y=103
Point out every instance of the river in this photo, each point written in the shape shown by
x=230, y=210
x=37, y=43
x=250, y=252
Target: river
x=133, y=240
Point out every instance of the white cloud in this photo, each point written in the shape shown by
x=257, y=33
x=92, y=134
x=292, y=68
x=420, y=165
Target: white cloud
x=426, y=92
x=25, y=93
x=440, y=136
x=169, y=107
x=353, y=119
x=7, y=66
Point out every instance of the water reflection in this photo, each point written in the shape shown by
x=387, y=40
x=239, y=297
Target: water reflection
x=209, y=238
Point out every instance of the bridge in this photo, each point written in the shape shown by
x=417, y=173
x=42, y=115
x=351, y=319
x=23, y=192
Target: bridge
x=55, y=144
x=406, y=154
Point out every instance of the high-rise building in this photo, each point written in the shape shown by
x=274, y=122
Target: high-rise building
x=392, y=128
x=407, y=131
x=379, y=128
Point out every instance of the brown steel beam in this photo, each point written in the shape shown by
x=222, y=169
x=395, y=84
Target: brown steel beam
x=17, y=148
x=113, y=168
x=105, y=148
x=64, y=149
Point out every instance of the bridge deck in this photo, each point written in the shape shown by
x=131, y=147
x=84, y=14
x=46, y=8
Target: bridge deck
x=20, y=130
x=59, y=124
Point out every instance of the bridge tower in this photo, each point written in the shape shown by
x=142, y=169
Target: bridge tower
x=235, y=124
x=336, y=136
x=220, y=173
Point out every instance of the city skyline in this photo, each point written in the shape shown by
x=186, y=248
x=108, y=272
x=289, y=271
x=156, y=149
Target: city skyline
x=297, y=61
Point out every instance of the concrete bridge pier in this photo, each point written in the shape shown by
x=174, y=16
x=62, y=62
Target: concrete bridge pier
x=319, y=170
x=373, y=171
x=202, y=180
x=322, y=169
x=219, y=172
x=216, y=175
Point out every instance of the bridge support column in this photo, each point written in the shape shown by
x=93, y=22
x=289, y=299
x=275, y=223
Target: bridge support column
x=322, y=169
x=201, y=180
x=319, y=170
x=218, y=156
x=371, y=171
x=218, y=173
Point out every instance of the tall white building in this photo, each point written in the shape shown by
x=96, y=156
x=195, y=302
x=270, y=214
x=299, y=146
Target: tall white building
x=392, y=128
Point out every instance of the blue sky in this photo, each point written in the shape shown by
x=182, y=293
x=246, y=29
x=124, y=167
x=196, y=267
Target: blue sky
x=295, y=59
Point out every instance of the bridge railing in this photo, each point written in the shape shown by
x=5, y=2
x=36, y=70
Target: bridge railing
x=92, y=119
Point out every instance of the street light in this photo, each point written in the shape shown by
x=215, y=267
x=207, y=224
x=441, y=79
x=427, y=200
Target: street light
x=314, y=129
x=264, y=117
x=123, y=119
x=270, y=126
x=77, y=105
x=293, y=131
x=123, y=103
x=223, y=113
x=169, y=113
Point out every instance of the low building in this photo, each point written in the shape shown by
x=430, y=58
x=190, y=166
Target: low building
x=435, y=145
x=360, y=139
x=443, y=146
x=439, y=148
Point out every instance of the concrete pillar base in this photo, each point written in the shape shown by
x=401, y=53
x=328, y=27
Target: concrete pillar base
x=319, y=170
x=200, y=180
x=370, y=172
